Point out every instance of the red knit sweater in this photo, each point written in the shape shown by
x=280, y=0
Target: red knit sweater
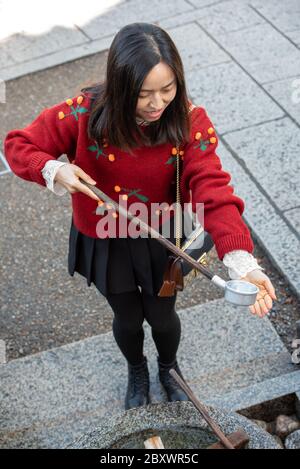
x=148, y=176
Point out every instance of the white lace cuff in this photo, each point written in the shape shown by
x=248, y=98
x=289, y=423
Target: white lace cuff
x=49, y=171
x=239, y=263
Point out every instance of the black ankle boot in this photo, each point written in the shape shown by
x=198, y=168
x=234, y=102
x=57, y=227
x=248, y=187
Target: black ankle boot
x=138, y=385
x=172, y=388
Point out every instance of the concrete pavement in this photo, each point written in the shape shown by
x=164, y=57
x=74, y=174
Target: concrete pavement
x=242, y=64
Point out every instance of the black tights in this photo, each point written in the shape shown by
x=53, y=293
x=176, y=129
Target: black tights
x=130, y=309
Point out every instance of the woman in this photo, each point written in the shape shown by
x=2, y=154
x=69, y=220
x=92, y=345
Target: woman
x=123, y=135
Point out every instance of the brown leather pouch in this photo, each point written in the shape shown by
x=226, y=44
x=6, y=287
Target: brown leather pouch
x=173, y=277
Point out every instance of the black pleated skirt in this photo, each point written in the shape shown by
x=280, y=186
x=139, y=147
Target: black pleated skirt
x=117, y=265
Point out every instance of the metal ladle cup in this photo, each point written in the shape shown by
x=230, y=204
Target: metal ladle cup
x=238, y=292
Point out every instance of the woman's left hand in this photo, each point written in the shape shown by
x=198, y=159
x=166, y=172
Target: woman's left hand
x=265, y=295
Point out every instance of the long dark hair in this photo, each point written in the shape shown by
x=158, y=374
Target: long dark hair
x=135, y=50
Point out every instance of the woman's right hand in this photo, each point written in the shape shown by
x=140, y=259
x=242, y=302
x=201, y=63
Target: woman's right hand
x=266, y=293
x=68, y=176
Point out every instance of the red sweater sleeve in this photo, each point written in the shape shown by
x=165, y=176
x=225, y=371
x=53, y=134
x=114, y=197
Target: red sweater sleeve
x=209, y=184
x=27, y=150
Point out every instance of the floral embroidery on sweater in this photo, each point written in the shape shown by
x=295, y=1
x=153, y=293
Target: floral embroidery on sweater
x=203, y=143
x=100, y=151
x=75, y=111
x=172, y=158
x=130, y=193
x=103, y=206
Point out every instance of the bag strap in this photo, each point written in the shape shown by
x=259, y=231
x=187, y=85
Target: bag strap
x=178, y=227
x=177, y=212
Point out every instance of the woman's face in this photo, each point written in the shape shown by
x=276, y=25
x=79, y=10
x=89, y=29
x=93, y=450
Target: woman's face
x=157, y=91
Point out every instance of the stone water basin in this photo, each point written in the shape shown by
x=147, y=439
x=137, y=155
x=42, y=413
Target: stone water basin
x=179, y=425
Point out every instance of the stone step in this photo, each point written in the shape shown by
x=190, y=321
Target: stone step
x=257, y=393
x=242, y=375
x=227, y=356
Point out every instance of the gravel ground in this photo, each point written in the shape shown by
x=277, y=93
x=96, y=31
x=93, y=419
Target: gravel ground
x=42, y=306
